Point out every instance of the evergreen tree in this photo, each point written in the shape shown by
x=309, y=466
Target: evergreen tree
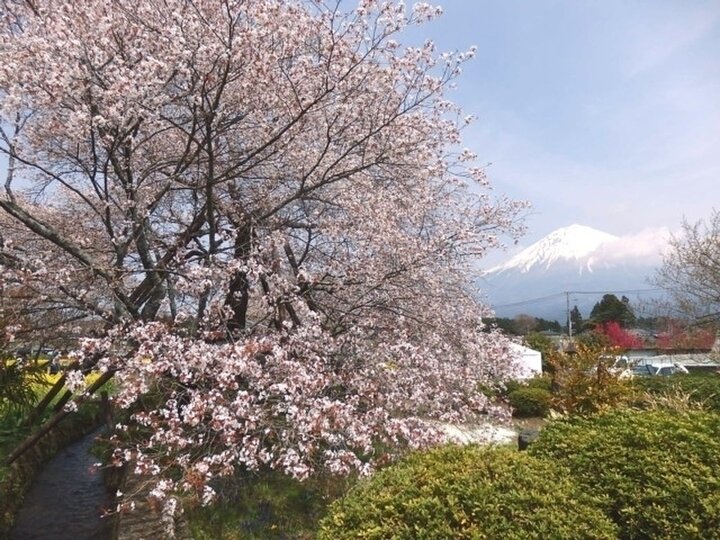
x=611, y=308
x=544, y=324
x=576, y=320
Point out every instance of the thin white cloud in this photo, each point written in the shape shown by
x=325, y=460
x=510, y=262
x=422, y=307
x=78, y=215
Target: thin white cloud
x=645, y=247
x=660, y=39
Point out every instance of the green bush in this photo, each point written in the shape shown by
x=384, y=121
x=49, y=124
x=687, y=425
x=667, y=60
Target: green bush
x=511, y=386
x=527, y=402
x=463, y=493
x=659, y=471
x=703, y=389
x=544, y=382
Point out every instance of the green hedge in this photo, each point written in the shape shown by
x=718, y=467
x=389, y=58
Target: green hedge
x=659, y=471
x=529, y=398
x=701, y=388
x=527, y=402
x=467, y=493
x=543, y=382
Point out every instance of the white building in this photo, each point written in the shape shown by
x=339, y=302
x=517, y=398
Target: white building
x=529, y=361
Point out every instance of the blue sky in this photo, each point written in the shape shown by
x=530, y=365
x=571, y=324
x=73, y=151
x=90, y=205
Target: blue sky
x=604, y=113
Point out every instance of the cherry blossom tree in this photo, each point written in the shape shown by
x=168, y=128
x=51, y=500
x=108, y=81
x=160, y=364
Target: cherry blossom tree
x=691, y=269
x=265, y=209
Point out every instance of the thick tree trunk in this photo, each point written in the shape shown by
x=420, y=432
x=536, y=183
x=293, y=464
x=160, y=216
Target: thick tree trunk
x=238, y=295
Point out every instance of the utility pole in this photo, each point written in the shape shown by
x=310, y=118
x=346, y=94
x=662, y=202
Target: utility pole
x=569, y=320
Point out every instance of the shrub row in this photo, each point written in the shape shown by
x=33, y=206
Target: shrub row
x=535, y=398
x=625, y=474
x=467, y=492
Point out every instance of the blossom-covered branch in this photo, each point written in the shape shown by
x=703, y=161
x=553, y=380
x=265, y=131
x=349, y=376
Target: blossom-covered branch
x=264, y=208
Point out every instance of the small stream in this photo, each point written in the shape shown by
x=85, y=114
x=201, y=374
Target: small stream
x=66, y=499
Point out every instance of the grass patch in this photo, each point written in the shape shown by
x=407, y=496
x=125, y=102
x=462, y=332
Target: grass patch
x=267, y=505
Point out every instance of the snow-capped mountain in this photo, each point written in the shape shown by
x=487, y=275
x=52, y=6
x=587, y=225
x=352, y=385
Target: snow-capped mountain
x=575, y=243
x=578, y=260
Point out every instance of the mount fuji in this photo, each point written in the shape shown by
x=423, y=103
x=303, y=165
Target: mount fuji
x=577, y=264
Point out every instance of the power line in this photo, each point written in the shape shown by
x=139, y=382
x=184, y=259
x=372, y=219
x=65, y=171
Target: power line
x=560, y=294
x=616, y=291
x=531, y=300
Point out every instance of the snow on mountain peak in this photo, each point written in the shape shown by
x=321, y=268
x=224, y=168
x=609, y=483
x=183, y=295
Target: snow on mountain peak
x=572, y=243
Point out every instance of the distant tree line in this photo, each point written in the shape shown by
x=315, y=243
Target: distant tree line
x=612, y=322
x=523, y=324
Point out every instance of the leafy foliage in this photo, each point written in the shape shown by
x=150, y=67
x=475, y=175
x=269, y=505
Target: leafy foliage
x=678, y=334
x=19, y=379
x=591, y=338
x=528, y=402
x=658, y=471
x=529, y=398
x=611, y=308
x=543, y=382
x=19, y=385
x=467, y=493
x=585, y=382
x=619, y=337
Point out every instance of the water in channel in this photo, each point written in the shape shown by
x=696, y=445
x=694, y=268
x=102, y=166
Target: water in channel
x=66, y=499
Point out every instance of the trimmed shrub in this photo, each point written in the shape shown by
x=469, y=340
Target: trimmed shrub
x=463, y=493
x=702, y=389
x=658, y=471
x=528, y=402
x=510, y=386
